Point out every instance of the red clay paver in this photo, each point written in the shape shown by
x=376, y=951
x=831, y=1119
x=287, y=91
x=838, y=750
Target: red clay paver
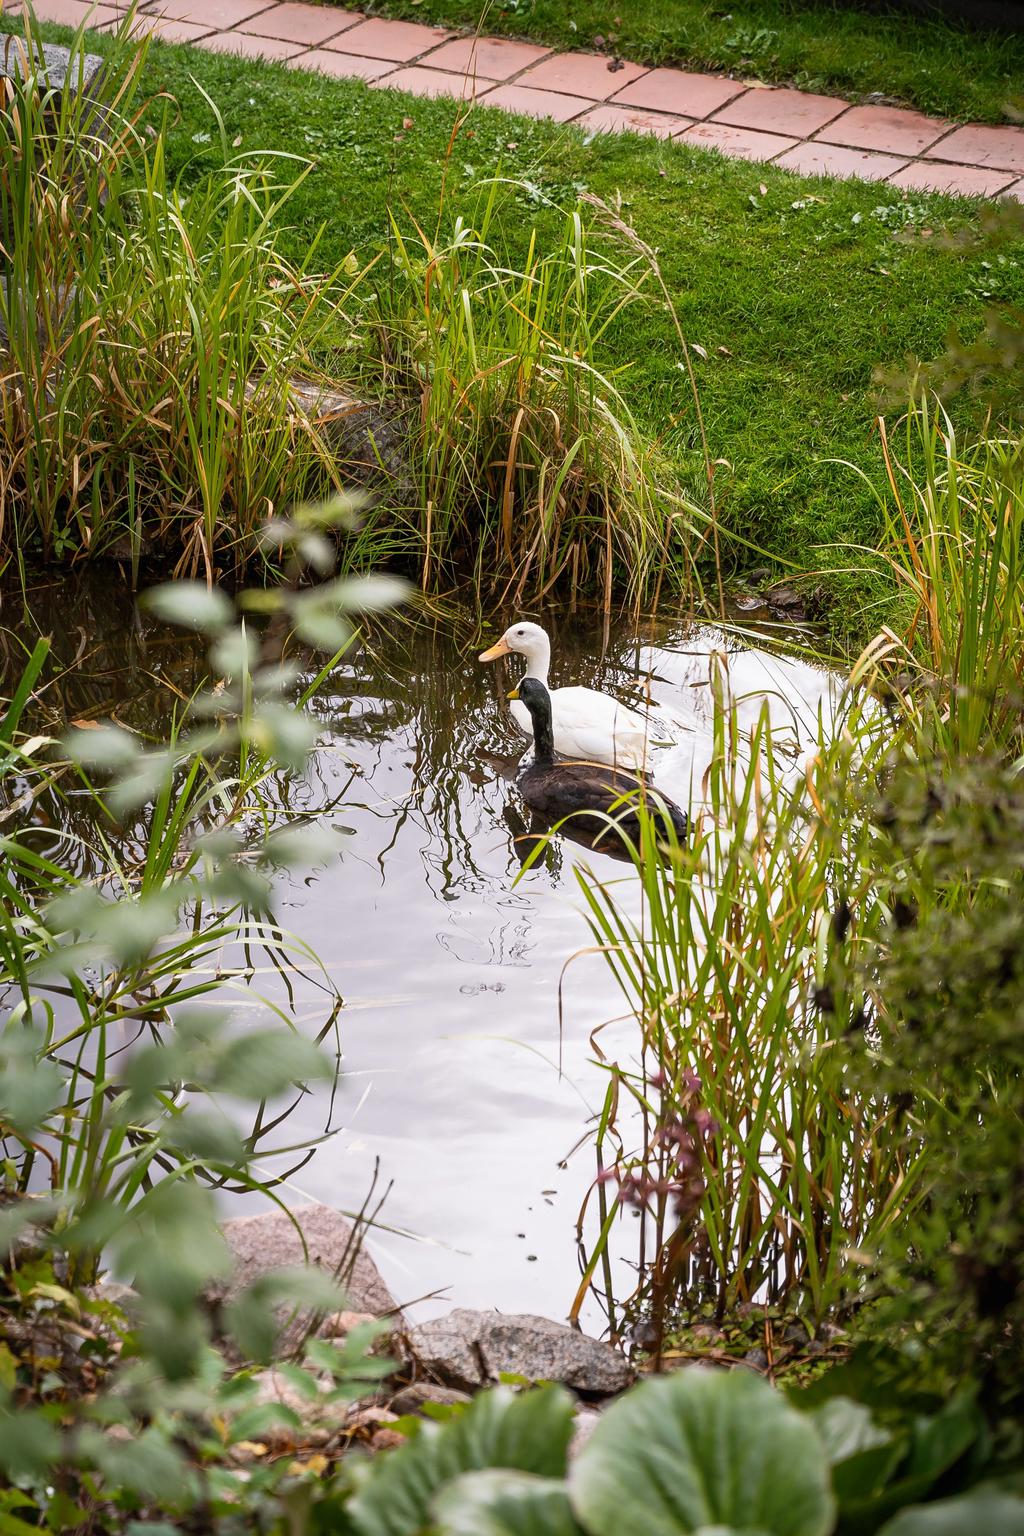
x=609, y=118
x=674, y=90
x=72, y=13
x=309, y=25
x=581, y=74
x=172, y=31
x=894, y=130
x=433, y=82
x=806, y=133
x=741, y=143
x=1000, y=148
x=249, y=47
x=516, y=98
x=817, y=159
x=344, y=66
x=961, y=180
x=210, y=13
x=401, y=41
x=488, y=58
x=795, y=113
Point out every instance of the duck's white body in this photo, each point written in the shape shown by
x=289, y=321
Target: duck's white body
x=588, y=725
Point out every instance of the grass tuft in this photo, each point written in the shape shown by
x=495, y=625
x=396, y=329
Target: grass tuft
x=152, y=330
x=531, y=468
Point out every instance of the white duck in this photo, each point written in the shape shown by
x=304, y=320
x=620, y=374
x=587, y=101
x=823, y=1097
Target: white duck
x=588, y=725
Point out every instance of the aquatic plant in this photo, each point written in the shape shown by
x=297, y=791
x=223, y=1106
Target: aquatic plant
x=531, y=468
x=770, y=1163
x=954, y=548
x=733, y=1130
x=155, y=333
x=151, y=332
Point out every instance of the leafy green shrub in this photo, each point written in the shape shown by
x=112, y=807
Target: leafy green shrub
x=990, y=365
x=947, y=1046
x=111, y=1153
x=693, y=1452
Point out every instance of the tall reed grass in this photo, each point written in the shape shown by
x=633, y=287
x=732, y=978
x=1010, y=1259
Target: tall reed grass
x=531, y=466
x=765, y=1169
x=954, y=546
x=155, y=333
x=151, y=332
x=732, y=1128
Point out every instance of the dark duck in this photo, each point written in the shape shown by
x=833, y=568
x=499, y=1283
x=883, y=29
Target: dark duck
x=592, y=794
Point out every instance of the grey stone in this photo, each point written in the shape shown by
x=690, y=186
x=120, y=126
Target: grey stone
x=54, y=317
x=786, y=598
x=57, y=74
x=707, y=1333
x=57, y=71
x=470, y=1349
x=270, y=1241
x=114, y=1292
x=583, y=1426
x=411, y=1399
x=321, y=1420
x=338, y=1325
x=368, y=441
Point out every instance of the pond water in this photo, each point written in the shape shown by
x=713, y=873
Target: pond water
x=460, y=1074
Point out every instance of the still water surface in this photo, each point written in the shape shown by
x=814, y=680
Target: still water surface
x=456, y=1073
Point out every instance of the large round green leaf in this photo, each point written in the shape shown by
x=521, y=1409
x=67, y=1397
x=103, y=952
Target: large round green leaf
x=528, y=1432
x=500, y=1503
x=701, y=1448
x=986, y=1512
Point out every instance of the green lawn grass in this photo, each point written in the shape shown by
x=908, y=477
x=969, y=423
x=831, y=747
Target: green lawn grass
x=795, y=289
x=819, y=45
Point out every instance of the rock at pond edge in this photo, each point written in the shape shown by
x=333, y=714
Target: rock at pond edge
x=269, y=1241
x=468, y=1350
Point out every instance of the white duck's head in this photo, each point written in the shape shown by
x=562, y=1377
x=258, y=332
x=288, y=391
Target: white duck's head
x=528, y=640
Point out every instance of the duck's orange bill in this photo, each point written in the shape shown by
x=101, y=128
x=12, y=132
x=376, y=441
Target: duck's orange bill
x=502, y=648
x=514, y=694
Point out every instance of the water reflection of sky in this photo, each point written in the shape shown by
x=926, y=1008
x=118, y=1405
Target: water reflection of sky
x=450, y=970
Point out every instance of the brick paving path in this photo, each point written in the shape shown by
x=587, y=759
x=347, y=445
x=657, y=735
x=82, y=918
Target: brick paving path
x=816, y=135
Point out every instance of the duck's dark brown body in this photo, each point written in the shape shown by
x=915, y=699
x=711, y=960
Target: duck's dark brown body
x=589, y=793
